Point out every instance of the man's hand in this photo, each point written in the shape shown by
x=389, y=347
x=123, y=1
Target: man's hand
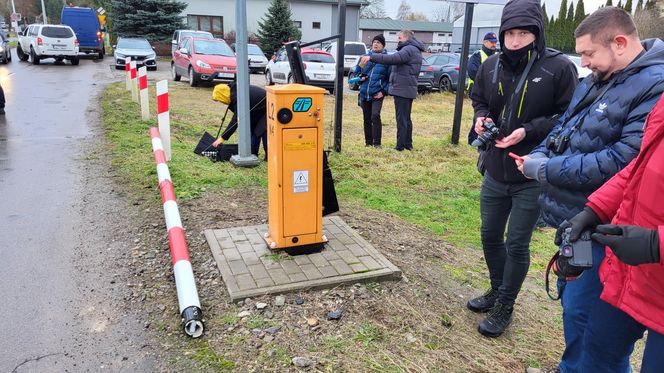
x=520, y=162
x=478, y=124
x=632, y=245
x=217, y=142
x=364, y=60
x=585, y=220
x=514, y=138
x=378, y=95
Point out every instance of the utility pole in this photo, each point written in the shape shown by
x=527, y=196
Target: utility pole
x=44, y=19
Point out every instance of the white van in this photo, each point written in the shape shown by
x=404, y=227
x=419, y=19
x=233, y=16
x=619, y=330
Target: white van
x=352, y=52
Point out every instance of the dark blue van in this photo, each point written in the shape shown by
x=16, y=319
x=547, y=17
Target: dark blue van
x=88, y=31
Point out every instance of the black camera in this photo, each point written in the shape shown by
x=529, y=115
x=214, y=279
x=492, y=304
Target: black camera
x=491, y=134
x=574, y=257
x=557, y=143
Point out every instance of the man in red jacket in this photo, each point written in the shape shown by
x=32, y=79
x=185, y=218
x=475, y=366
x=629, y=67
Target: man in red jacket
x=632, y=273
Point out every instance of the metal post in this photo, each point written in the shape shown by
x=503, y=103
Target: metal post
x=44, y=19
x=339, y=89
x=244, y=157
x=458, y=106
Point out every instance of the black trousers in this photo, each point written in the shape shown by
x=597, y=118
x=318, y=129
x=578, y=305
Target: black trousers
x=373, y=126
x=403, y=107
x=2, y=98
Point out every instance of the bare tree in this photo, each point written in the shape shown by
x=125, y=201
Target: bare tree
x=441, y=14
x=373, y=9
x=416, y=16
x=404, y=10
x=649, y=24
x=457, y=10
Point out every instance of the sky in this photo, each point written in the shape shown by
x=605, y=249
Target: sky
x=428, y=6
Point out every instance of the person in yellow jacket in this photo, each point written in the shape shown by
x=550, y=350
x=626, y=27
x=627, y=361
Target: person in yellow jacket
x=478, y=58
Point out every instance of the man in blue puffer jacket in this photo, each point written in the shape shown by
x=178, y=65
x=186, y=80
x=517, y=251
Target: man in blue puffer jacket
x=403, y=82
x=598, y=135
x=373, y=88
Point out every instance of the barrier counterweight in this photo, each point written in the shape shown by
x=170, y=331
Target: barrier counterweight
x=190, y=306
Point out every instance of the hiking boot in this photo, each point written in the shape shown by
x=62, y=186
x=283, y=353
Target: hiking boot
x=497, y=321
x=483, y=303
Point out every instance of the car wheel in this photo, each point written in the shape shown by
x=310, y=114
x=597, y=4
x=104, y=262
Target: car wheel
x=290, y=79
x=176, y=76
x=268, y=78
x=34, y=59
x=74, y=61
x=9, y=55
x=445, y=85
x=21, y=55
x=193, y=81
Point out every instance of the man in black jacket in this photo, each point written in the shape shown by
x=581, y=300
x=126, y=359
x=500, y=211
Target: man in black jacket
x=258, y=122
x=403, y=82
x=521, y=91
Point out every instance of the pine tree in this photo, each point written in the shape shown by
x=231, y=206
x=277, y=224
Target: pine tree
x=628, y=6
x=154, y=19
x=580, y=14
x=569, y=29
x=619, y=4
x=545, y=17
x=639, y=6
x=609, y=3
x=277, y=27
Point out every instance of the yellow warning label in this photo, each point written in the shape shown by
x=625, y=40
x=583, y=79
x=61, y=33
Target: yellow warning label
x=302, y=145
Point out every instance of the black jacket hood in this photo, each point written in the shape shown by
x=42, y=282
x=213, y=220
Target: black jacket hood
x=522, y=13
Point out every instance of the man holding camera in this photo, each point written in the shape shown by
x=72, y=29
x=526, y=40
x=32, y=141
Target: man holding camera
x=374, y=83
x=596, y=137
x=520, y=91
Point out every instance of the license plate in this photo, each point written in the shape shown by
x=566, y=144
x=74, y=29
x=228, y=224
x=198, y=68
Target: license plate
x=322, y=76
x=421, y=74
x=59, y=46
x=226, y=75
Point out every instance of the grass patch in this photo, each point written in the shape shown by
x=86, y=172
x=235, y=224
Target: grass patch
x=206, y=357
x=368, y=334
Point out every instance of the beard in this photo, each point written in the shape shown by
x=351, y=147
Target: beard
x=598, y=76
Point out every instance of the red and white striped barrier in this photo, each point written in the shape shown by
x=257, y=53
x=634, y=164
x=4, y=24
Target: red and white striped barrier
x=134, y=87
x=143, y=89
x=163, y=116
x=128, y=73
x=190, y=306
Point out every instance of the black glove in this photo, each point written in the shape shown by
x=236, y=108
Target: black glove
x=583, y=221
x=632, y=245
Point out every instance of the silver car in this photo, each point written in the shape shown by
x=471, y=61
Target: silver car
x=257, y=60
x=139, y=49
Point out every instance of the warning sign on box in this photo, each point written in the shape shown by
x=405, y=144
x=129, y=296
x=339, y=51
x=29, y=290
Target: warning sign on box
x=300, y=181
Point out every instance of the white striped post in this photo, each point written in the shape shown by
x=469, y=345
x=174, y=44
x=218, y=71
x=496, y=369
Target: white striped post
x=163, y=116
x=143, y=88
x=134, y=87
x=190, y=306
x=128, y=73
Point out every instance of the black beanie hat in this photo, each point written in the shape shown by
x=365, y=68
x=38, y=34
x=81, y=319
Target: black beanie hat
x=380, y=38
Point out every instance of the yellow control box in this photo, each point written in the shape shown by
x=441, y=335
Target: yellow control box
x=295, y=164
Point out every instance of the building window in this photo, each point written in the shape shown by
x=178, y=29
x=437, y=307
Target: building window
x=315, y=25
x=212, y=24
x=443, y=35
x=297, y=24
x=393, y=32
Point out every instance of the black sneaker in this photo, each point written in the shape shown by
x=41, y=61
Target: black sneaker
x=483, y=303
x=497, y=321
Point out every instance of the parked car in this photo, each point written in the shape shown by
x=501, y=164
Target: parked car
x=204, y=60
x=435, y=48
x=85, y=23
x=5, y=51
x=445, y=67
x=425, y=81
x=179, y=35
x=352, y=52
x=257, y=59
x=319, y=67
x=582, y=71
x=139, y=49
x=48, y=41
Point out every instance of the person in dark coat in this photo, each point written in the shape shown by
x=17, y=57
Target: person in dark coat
x=403, y=82
x=373, y=89
x=601, y=135
x=521, y=91
x=488, y=49
x=257, y=112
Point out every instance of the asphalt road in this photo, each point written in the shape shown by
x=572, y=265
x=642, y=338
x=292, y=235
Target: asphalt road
x=57, y=310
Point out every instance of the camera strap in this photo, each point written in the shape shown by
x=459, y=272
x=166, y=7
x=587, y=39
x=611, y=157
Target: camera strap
x=563, y=282
x=517, y=91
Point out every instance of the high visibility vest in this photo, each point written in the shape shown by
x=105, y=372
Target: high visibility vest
x=483, y=57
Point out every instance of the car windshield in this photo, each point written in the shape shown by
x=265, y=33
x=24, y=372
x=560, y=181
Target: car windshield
x=254, y=50
x=354, y=50
x=201, y=35
x=317, y=57
x=212, y=47
x=56, y=32
x=134, y=44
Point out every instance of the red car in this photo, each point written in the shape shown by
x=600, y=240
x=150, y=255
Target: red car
x=203, y=60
